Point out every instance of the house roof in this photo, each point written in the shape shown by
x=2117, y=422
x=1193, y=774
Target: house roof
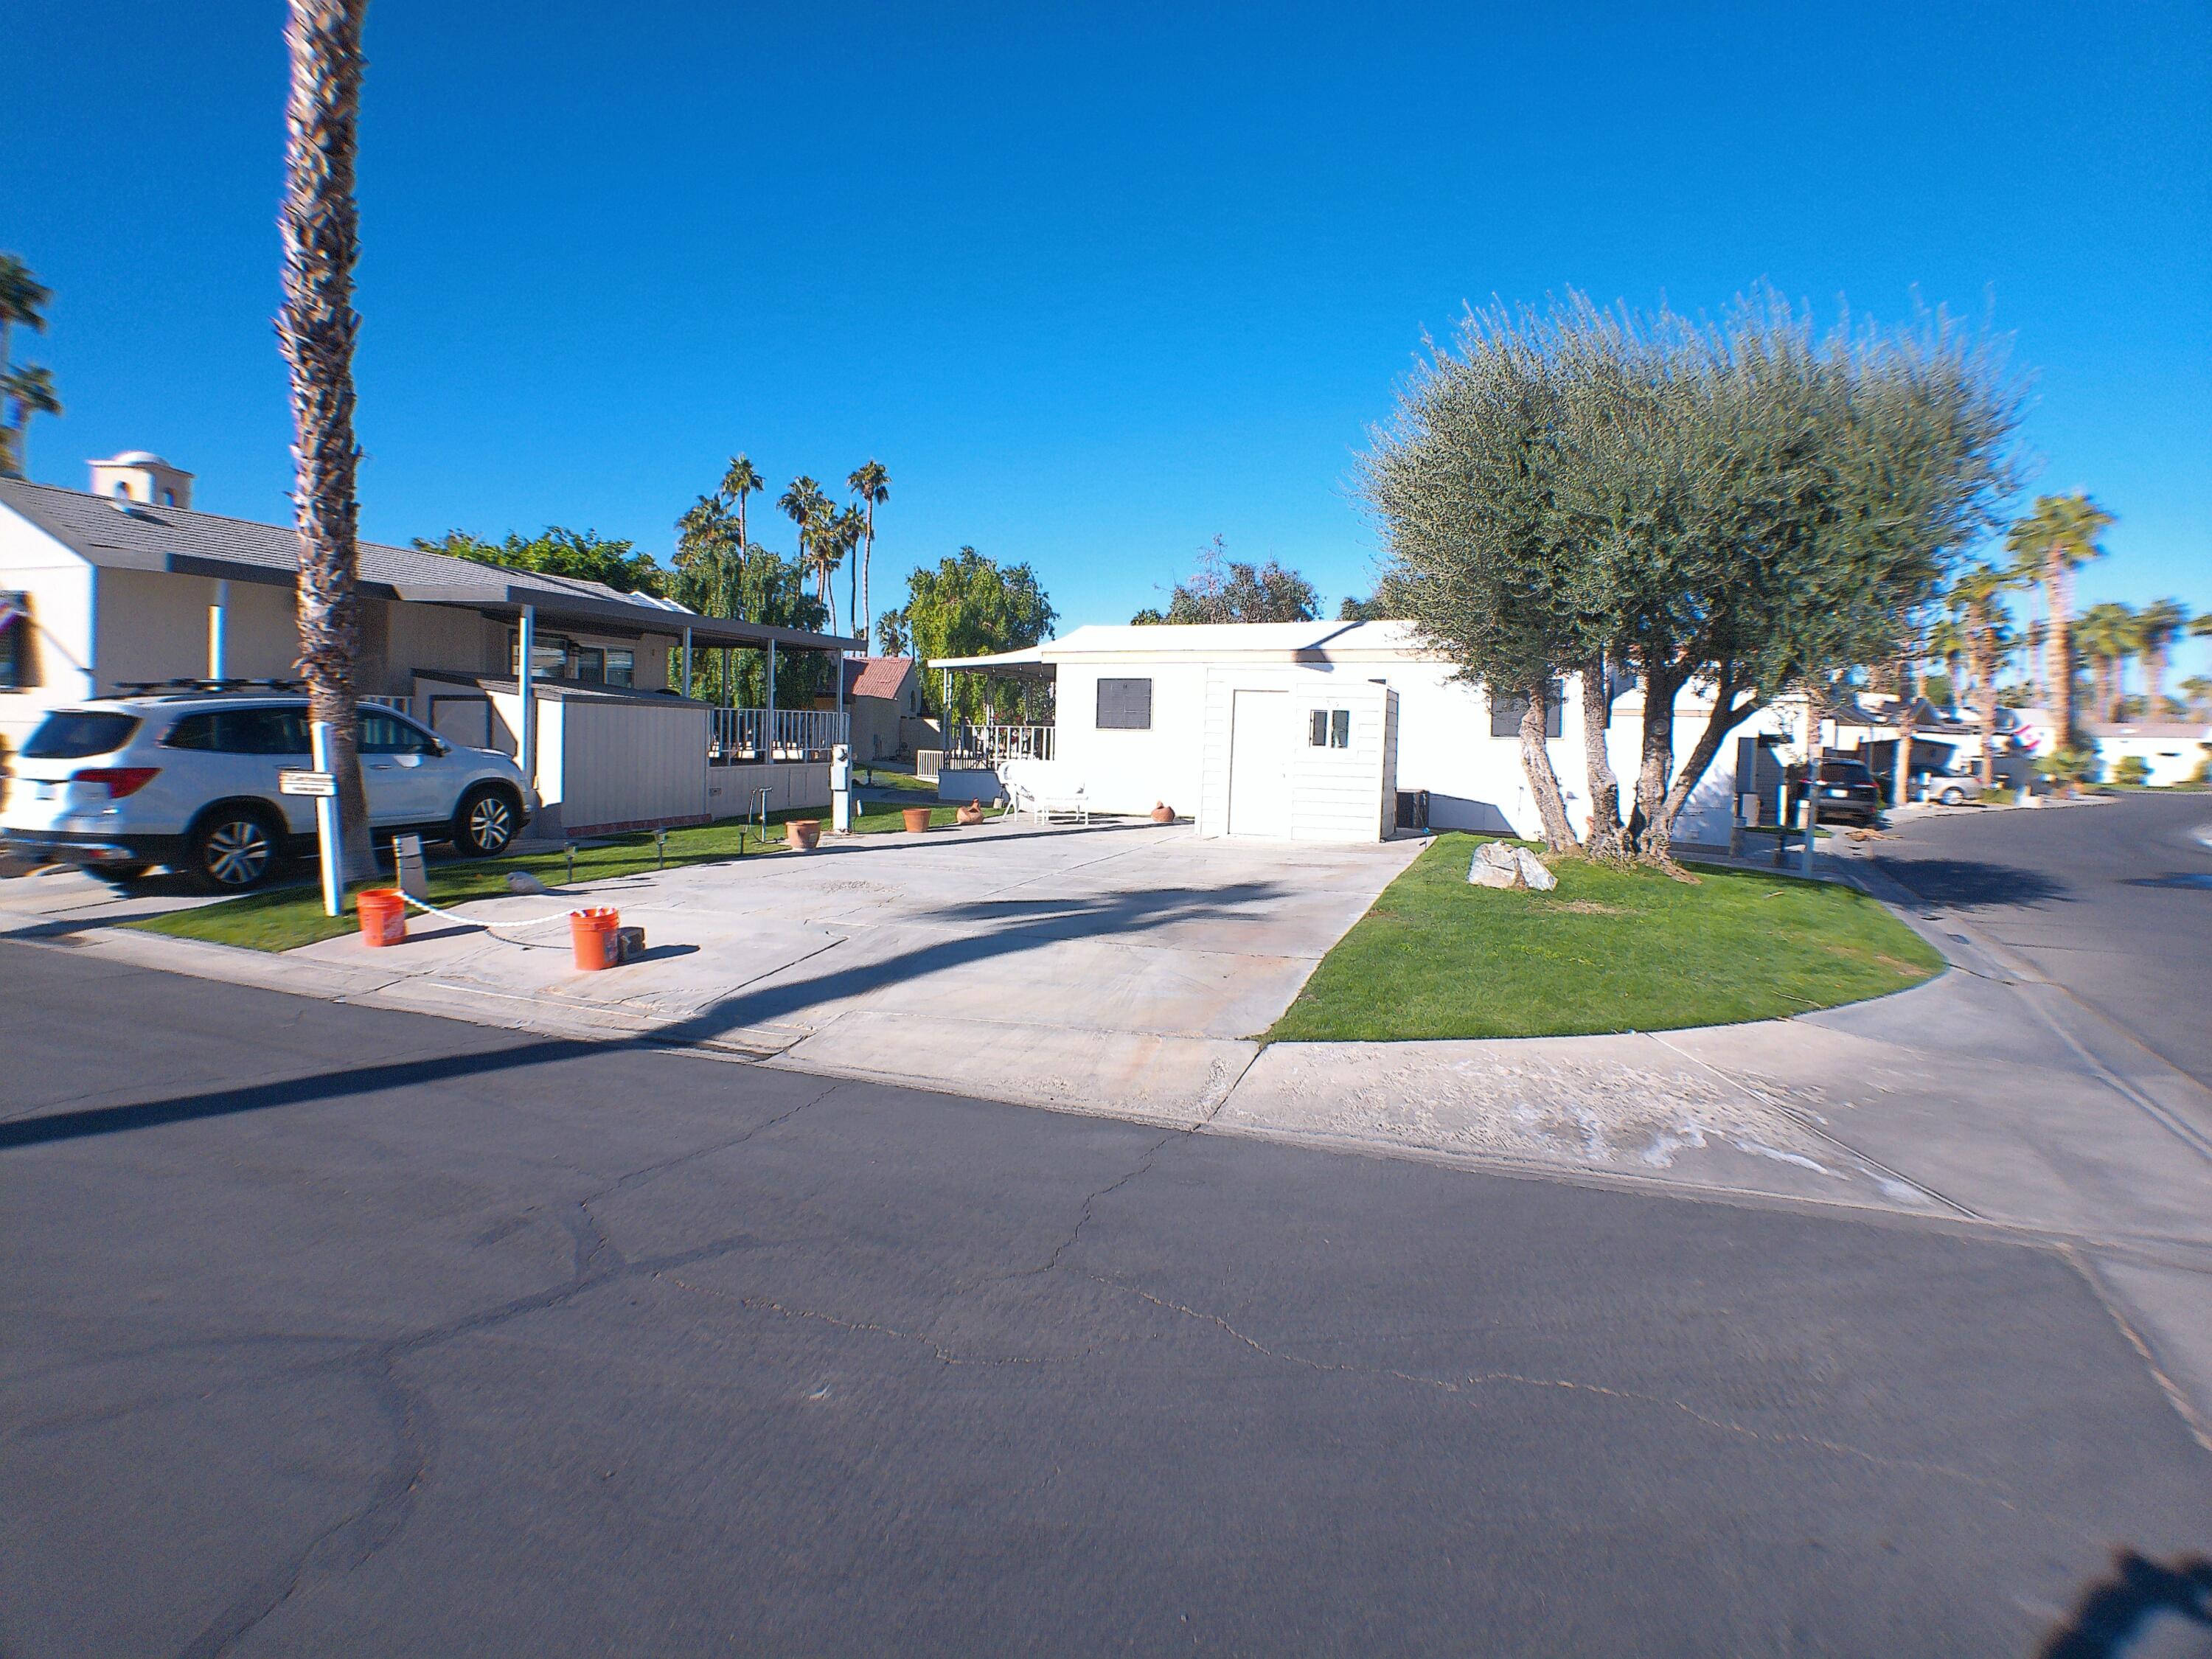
x=877, y=676
x=1276, y=642
x=2155, y=730
x=119, y=536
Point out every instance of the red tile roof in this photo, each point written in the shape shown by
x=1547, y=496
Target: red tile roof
x=877, y=676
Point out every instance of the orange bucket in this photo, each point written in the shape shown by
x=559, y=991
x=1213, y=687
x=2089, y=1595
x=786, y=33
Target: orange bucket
x=591, y=935
x=383, y=913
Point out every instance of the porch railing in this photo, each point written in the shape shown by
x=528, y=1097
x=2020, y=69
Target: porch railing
x=404, y=705
x=987, y=745
x=736, y=737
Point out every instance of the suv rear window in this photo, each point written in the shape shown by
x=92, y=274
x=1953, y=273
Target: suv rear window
x=76, y=733
x=1845, y=771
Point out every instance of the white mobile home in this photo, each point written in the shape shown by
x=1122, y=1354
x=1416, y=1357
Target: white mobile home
x=579, y=682
x=1313, y=731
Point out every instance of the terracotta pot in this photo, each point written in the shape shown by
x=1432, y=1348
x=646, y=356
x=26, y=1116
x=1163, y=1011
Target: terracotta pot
x=1163, y=813
x=917, y=819
x=970, y=812
x=804, y=834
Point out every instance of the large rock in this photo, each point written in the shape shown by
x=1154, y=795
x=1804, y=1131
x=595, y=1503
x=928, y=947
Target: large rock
x=1497, y=864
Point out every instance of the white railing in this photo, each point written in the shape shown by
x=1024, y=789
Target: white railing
x=987, y=745
x=742, y=736
x=404, y=705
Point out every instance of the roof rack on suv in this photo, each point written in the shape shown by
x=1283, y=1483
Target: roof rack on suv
x=187, y=688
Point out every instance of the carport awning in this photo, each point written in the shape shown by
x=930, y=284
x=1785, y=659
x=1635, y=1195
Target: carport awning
x=1029, y=665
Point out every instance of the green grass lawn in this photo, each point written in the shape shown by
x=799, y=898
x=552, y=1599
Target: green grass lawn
x=284, y=918
x=1609, y=950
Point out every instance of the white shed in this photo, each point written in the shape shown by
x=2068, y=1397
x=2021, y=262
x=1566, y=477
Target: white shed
x=1219, y=722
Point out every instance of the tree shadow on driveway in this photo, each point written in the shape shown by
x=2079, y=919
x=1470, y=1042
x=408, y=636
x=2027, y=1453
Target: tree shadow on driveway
x=986, y=929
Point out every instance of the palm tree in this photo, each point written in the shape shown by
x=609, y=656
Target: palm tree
x=29, y=391
x=804, y=503
x=2158, y=624
x=2108, y=637
x=22, y=300
x=2198, y=688
x=872, y=487
x=740, y=480
x=835, y=535
x=316, y=329
x=1978, y=594
x=1947, y=641
x=2059, y=536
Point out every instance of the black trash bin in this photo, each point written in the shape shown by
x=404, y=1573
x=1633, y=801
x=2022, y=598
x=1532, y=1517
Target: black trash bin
x=1413, y=811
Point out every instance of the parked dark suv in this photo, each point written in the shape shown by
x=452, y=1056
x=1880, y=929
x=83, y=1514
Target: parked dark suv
x=1848, y=794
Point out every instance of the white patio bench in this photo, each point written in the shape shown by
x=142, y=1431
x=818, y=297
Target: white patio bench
x=1041, y=792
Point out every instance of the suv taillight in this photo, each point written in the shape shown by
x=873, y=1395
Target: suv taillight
x=121, y=780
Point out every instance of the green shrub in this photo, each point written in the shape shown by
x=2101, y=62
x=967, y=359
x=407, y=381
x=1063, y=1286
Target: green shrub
x=2132, y=772
x=2069, y=769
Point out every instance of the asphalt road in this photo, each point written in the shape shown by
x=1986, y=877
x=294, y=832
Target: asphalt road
x=2112, y=900
x=329, y=1330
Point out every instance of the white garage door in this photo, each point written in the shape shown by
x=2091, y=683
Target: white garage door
x=1260, y=764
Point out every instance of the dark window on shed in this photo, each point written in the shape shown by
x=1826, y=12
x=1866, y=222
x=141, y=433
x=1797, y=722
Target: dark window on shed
x=1124, y=705
x=1505, y=712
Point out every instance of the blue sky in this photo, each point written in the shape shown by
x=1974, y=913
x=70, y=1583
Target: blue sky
x=1096, y=283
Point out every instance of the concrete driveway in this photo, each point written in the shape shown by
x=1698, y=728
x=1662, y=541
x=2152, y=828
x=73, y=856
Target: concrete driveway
x=1123, y=967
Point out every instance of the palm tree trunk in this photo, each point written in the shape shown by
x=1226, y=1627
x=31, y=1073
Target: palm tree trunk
x=2059, y=657
x=1986, y=687
x=2154, y=682
x=316, y=329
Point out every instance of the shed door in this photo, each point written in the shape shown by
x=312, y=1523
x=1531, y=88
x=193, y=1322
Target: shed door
x=1259, y=764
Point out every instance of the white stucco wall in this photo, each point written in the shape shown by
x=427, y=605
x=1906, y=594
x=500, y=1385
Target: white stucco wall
x=1442, y=741
x=57, y=660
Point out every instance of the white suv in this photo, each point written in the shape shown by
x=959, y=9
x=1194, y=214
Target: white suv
x=188, y=779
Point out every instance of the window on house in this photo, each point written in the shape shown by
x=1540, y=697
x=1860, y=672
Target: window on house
x=621, y=666
x=1330, y=729
x=15, y=621
x=1505, y=711
x=168, y=498
x=1124, y=705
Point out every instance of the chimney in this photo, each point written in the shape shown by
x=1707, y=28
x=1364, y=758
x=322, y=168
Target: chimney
x=137, y=475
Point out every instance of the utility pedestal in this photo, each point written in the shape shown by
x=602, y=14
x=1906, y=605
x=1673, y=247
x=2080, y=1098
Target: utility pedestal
x=841, y=790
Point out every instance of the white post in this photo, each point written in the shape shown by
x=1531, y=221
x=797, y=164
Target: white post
x=218, y=616
x=327, y=838
x=526, y=739
x=837, y=662
x=687, y=662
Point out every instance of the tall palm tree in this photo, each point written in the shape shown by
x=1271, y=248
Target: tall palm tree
x=1947, y=641
x=2109, y=637
x=740, y=480
x=316, y=329
x=836, y=534
x=2054, y=539
x=1979, y=593
x=872, y=487
x=803, y=504
x=2158, y=624
x=27, y=390
x=22, y=300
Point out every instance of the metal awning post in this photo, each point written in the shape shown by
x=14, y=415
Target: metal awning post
x=767, y=738
x=526, y=740
x=687, y=662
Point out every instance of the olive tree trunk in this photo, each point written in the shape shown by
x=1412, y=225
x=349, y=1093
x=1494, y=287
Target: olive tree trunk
x=1543, y=780
x=1608, y=838
x=316, y=329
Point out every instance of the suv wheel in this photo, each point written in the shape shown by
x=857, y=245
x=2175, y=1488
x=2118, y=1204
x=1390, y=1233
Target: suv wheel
x=233, y=848
x=1954, y=796
x=486, y=821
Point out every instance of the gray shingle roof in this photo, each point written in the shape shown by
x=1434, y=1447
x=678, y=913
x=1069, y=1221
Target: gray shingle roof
x=141, y=536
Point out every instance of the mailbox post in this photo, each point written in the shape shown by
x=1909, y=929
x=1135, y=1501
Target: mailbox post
x=841, y=789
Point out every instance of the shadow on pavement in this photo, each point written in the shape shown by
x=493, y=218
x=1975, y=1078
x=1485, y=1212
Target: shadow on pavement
x=1971, y=883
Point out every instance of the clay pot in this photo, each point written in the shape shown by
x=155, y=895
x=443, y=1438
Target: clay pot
x=917, y=819
x=1163, y=813
x=804, y=834
x=971, y=811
